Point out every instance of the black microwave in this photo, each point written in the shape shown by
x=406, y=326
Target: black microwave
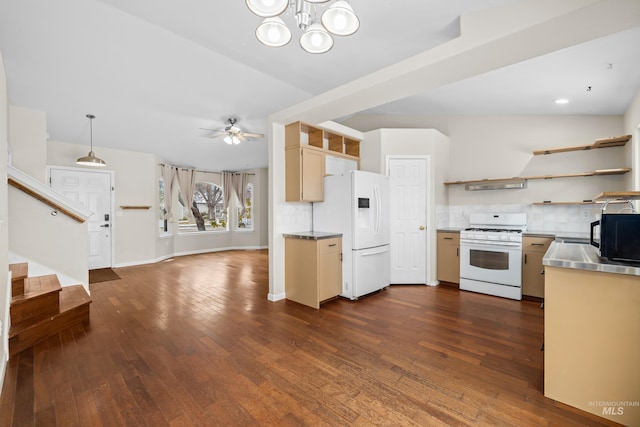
x=619, y=237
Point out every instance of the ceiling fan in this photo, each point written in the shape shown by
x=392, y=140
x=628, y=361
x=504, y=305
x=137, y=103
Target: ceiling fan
x=232, y=134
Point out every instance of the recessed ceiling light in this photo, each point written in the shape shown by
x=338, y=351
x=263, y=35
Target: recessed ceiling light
x=562, y=101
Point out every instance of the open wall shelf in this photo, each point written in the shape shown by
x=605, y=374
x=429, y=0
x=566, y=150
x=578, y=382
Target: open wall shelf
x=615, y=141
x=618, y=171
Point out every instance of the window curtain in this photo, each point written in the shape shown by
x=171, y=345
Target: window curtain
x=227, y=188
x=240, y=187
x=168, y=175
x=187, y=184
x=234, y=183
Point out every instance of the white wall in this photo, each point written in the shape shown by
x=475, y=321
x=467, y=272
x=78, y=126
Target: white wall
x=136, y=232
x=5, y=292
x=65, y=250
x=632, y=152
x=28, y=141
x=501, y=146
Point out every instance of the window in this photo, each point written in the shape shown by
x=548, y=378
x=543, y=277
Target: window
x=163, y=223
x=208, y=210
x=245, y=216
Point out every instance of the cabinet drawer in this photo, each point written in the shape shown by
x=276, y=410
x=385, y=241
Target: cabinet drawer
x=448, y=238
x=327, y=246
x=536, y=244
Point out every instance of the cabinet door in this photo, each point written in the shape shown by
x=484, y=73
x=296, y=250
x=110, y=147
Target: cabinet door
x=449, y=257
x=329, y=268
x=532, y=277
x=312, y=176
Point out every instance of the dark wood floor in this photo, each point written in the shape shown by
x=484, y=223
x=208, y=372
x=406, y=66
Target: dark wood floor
x=194, y=341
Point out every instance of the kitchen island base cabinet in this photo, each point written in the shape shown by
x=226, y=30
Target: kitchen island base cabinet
x=313, y=270
x=448, y=257
x=533, y=250
x=592, y=342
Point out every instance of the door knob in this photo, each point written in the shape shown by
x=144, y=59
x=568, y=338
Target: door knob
x=421, y=227
x=104, y=226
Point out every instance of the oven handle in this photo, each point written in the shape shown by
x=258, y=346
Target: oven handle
x=474, y=244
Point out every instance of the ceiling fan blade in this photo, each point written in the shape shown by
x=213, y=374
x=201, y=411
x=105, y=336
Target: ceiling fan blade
x=241, y=137
x=252, y=135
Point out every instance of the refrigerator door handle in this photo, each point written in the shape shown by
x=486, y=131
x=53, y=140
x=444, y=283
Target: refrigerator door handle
x=375, y=253
x=376, y=194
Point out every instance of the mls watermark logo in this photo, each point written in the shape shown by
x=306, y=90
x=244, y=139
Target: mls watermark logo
x=613, y=408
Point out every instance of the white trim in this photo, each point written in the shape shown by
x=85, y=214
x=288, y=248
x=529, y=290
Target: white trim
x=276, y=297
x=47, y=192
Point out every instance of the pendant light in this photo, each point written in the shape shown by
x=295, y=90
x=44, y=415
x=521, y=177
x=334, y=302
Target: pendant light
x=91, y=159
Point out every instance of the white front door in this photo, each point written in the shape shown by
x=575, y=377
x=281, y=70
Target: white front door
x=92, y=190
x=408, y=220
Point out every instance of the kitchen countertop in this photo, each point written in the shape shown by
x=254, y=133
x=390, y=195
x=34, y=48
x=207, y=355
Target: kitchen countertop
x=585, y=257
x=449, y=230
x=312, y=235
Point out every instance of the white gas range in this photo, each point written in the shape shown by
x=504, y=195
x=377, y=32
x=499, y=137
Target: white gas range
x=491, y=254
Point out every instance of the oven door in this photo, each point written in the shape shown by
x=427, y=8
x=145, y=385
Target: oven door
x=499, y=262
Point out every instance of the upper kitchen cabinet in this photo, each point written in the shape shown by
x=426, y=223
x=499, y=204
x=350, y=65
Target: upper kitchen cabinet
x=310, y=154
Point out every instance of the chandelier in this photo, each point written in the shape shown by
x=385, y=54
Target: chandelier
x=338, y=19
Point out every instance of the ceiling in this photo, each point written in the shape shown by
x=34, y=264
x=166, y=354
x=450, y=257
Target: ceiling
x=154, y=72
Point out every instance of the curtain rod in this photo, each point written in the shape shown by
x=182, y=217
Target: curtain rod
x=201, y=171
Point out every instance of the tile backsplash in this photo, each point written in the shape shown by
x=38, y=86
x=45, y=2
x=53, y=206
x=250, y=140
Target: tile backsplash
x=547, y=218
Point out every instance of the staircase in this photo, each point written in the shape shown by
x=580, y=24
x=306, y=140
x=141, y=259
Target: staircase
x=40, y=308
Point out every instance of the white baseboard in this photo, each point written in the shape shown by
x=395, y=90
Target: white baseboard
x=276, y=297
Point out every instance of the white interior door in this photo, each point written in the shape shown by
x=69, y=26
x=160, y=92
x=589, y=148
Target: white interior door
x=408, y=220
x=93, y=191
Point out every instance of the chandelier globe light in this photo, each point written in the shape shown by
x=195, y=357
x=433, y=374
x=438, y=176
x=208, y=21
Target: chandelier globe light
x=267, y=8
x=273, y=32
x=316, y=39
x=338, y=19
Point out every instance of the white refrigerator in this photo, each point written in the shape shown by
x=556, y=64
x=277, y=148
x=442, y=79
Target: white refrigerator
x=356, y=204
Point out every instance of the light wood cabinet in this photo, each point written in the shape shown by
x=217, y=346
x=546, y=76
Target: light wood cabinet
x=304, y=174
x=306, y=147
x=533, y=250
x=449, y=256
x=313, y=270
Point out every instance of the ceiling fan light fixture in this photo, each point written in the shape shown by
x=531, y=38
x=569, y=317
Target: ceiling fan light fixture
x=267, y=8
x=273, y=32
x=91, y=159
x=340, y=19
x=316, y=39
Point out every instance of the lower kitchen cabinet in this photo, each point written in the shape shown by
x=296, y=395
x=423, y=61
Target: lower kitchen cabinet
x=448, y=256
x=533, y=250
x=313, y=269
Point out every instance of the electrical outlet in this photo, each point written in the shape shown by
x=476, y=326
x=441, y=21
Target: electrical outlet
x=585, y=214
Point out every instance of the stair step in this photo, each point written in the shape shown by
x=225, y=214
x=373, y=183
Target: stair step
x=19, y=272
x=39, y=300
x=73, y=310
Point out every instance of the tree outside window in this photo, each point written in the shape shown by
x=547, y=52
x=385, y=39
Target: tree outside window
x=245, y=216
x=163, y=223
x=207, y=212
